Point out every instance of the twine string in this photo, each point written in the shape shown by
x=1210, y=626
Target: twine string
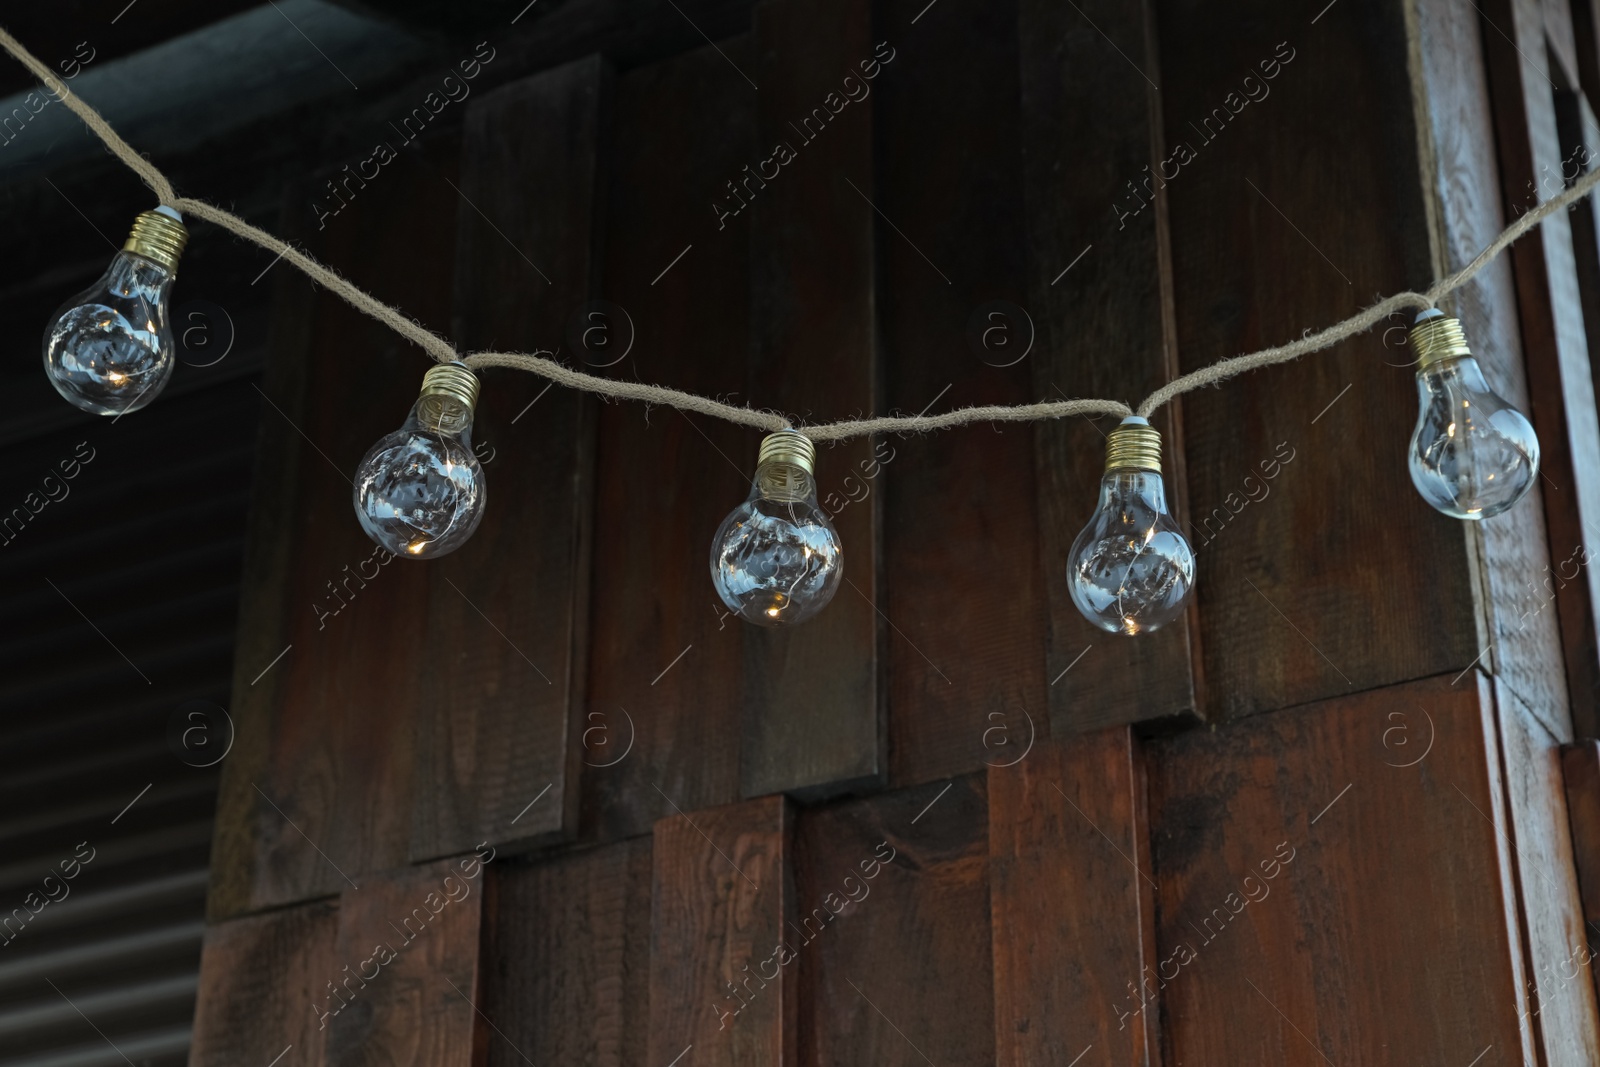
x=443, y=351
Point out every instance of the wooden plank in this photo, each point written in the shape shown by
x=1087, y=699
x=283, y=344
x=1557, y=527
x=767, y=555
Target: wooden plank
x=258, y=977
x=665, y=664
x=1265, y=247
x=721, y=898
x=812, y=719
x=1580, y=147
x=328, y=797
x=1580, y=768
x=1561, y=986
x=407, y=969
x=1070, y=880
x=964, y=594
x=901, y=975
x=1518, y=626
x=1586, y=47
x=1385, y=810
x=1559, y=383
x=508, y=611
x=1105, y=328
x=263, y=608
x=568, y=977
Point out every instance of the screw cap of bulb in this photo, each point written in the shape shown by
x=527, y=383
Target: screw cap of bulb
x=158, y=236
x=1435, y=337
x=784, y=465
x=449, y=396
x=1133, y=446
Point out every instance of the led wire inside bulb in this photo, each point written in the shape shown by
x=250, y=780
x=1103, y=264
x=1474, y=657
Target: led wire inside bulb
x=1131, y=569
x=109, y=350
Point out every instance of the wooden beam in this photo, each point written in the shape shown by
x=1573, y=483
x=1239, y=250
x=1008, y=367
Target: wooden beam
x=812, y=716
x=568, y=977
x=1071, y=880
x=1384, y=808
x=324, y=794
x=892, y=936
x=965, y=601
x=1100, y=287
x=262, y=980
x=720, y=905
x=498, y=723
x=1266, y=246
x=666, y=665
x=407, y=968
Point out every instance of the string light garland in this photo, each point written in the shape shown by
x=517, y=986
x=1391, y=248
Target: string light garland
x=777, y=559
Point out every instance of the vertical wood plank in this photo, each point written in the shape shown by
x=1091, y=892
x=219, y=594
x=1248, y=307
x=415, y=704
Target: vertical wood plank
x=812, y=722
x=892, y=936
x=665, y=665
x=568, y=959
x=1518, y=627
x=261, y=981
x=263, y=607
x=965, y=598
x=1385, y=809
x=1580, y=768
x=406, y=975
x=508, y=611
x=1266, y=245
x=720, y=901
x=1104, y=325
x=1071, y=893
x=1559, y=381
x=1560, y=973
x=329, y=797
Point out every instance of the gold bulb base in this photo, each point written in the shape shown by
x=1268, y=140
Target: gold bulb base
x=1133, y=447
x=449, y=397
x=1437, y=339
x=784, y=466
x=159, y=238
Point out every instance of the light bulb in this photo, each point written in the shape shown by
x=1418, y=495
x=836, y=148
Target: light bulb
x=420, y=491
x=776, y=559
x=1472, y=454
x=1131, y=570
x=109, y=349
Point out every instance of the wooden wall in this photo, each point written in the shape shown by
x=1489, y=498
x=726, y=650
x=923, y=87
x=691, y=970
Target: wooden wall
x=544, y=801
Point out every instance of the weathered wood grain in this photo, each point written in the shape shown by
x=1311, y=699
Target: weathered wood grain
x=1289, y=211
x=665, y=666
x=1337, y=883
x=263, y=608
x=813, y=721
x=1100, y=289
x=1072, y=896
x=901, y=973
x=721, y=899
x=1580, y=769
x=406, y=969
x=328, y=795
x=965, y=599
x=1560, y=985
x=1559, y=386
x=261, y=983
x=567, y=959
x=508, y=611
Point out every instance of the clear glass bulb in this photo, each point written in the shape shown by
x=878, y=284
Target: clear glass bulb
x=109, y=350
x=1472, y=454
x=1131, y=569
x=776, y=559
x=420, y=491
